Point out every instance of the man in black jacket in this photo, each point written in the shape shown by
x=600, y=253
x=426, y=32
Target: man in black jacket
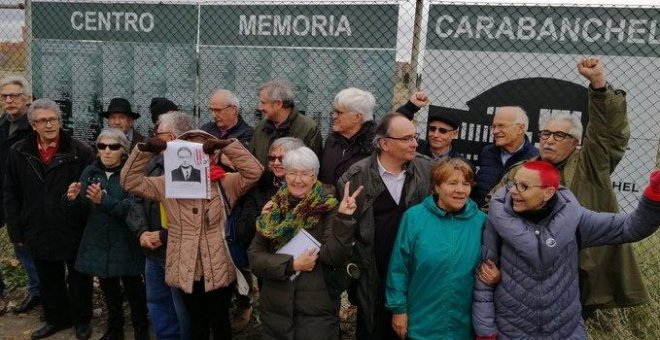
x=15, y=97
x=38, y=173
x=227, y=122
x=353, y=131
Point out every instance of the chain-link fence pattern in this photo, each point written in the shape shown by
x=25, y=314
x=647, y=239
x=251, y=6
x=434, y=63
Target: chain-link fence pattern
x=469, y=58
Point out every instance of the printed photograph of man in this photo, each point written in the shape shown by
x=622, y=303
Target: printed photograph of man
x=185, y=172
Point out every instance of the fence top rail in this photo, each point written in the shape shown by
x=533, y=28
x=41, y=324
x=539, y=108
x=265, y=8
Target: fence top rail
x=562, y=3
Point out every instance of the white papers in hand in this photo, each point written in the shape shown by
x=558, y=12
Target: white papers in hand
x=302, y=242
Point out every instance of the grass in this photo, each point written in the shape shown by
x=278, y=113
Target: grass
x=638, y=322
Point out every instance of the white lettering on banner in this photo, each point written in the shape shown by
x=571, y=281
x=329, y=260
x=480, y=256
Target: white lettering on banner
x=602, y=30
x=112, y=21
x=300, y=25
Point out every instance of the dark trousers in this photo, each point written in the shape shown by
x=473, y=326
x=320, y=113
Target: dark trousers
x=135, y=294
x=66, y=293
x=209, y=310
x=382, y=323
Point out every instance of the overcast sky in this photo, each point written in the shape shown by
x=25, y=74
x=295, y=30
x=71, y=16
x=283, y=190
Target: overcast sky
x=11, y=21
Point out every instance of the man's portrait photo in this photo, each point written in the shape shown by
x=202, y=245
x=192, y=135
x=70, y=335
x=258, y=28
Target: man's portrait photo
x=185, y=172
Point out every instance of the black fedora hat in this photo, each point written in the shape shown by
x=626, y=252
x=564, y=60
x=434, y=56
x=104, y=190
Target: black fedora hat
x=120, y=105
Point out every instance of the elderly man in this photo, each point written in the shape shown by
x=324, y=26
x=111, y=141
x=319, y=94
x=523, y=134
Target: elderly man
x=353, y=131
x=609, y=275
x=39, y=171
x=511, y=147
x=281, y=119
x=227, y=122
x=394, y=178
x=15, y=97
x=168, y=314
x=120, y=116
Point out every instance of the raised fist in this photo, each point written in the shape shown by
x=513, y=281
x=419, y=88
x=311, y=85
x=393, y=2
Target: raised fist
x=153, y=145
x=592, y=69
x=420, y=99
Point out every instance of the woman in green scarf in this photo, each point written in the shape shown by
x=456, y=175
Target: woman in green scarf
x=300, y=306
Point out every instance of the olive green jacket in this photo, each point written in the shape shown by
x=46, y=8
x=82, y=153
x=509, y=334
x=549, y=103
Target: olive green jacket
x=296, y=125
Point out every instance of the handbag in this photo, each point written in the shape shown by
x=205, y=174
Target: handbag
x=339, y=279
x=236, y=249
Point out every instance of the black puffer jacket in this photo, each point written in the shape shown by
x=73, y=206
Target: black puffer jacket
x=32, y=197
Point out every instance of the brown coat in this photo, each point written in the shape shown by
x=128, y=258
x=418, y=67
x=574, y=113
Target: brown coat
x=195, y=231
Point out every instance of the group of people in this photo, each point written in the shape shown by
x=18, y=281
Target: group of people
x=426, y=246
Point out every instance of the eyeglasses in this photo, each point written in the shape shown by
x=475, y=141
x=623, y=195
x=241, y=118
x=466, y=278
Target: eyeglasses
x=521, y=187
x=405, y=139
x=12, y=96
x=46, y=121
x=440, y=130
x=275, y=158
x=219, y=109
x=302, y=174
x=557, y=135
x=113, y=146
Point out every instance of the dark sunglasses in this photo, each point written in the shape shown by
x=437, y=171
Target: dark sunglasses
x=439, y=129
x=113, y=147
x=274, y=158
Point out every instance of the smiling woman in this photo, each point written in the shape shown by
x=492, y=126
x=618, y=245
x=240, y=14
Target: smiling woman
x=438, y=241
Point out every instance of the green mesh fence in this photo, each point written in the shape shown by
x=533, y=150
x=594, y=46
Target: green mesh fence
x=469, y=58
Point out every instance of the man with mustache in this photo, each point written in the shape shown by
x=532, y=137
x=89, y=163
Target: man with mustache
x=609, y=275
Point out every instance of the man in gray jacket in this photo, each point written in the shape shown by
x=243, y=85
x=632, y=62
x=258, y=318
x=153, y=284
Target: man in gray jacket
x=534, y=231
x=394, y=178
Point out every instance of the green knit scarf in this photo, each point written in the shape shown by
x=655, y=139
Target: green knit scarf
x=285, y=218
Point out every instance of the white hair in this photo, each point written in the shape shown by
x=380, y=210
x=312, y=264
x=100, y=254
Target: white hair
x=20, y=81
x=176, y=121
x=302, y=158
x=521, y=115
x=231, y=97
x=43, y=104
x=355, y=100
x=286, y=144
x=116, y=135
x=576, y=123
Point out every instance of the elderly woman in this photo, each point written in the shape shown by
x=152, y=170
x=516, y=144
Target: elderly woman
x=197, y=259
x=300, y=307
x=535, y=229
x=437, y=248
x=108, y=250
x=249, y=208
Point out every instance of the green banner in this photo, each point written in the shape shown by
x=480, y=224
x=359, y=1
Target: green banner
x=569, y=30
x=352, y=26
x=176, y=24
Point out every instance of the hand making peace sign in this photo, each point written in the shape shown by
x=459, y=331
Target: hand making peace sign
x=347, y=205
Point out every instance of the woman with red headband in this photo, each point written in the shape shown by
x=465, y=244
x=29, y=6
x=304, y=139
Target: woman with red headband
x=534, y=231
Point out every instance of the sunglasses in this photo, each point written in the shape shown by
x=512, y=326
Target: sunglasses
x=113, y=147
x=275, y=158
x=439, y=129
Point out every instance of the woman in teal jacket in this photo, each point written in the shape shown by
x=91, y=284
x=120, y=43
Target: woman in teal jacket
x=438, y=246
